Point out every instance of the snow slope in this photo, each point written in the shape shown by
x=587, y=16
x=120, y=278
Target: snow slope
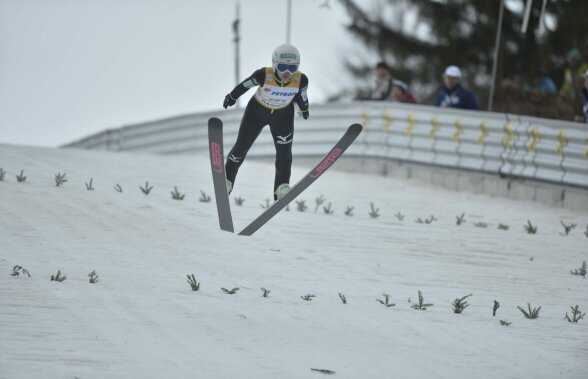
x=141, y=320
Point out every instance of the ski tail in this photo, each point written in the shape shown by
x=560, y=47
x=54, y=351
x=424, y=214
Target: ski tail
x=350, y=135
x=217, y=165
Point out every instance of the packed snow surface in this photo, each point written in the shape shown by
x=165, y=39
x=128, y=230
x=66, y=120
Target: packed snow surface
x=142, y=320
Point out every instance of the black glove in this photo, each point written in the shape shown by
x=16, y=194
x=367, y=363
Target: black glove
x=229, y=101
x=305, y=114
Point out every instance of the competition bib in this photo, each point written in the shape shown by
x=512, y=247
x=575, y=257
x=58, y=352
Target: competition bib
x=273, y=96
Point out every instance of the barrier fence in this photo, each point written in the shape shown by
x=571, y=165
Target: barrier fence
x=501, y=144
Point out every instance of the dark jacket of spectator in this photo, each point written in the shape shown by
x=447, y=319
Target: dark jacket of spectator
x=457, y=97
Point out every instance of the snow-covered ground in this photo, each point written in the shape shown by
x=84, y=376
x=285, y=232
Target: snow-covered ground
x=141, y=320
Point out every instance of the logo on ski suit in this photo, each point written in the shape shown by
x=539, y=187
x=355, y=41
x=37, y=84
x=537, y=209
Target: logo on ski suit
x=283, y=140
x=235, y=158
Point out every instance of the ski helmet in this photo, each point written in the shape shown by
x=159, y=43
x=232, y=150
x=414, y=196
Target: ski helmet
x=286, y=58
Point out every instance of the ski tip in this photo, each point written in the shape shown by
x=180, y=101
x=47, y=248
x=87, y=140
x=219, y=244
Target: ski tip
x=214, y=121
x=356, y=128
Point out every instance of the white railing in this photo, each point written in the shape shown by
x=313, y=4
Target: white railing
x=501, y=144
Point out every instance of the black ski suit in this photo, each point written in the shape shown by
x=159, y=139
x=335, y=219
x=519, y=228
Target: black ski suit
x=257, y=116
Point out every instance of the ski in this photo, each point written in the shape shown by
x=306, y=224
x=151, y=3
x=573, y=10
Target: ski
x=345, y=141
x=217, y=159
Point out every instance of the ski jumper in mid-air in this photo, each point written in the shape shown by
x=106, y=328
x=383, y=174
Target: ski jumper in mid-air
x=271, y=105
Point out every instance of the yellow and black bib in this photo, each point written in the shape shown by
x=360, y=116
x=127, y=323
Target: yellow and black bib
x=273, y=96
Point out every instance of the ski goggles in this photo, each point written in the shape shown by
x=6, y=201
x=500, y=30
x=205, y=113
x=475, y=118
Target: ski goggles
x=283, y=67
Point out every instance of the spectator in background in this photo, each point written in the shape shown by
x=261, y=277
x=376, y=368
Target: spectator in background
x=572, y=82
x=453, y=94
x=401, y=93
x=383, y=82
x=584, y=116
x=544, y=83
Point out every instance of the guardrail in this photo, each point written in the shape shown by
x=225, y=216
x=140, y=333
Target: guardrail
x=504, y=144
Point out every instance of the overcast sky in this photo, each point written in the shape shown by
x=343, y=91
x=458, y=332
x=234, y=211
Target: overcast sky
x=71, y=68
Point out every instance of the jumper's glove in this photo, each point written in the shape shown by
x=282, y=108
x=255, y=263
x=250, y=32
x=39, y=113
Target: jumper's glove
x=229, y=101
x=304, y=114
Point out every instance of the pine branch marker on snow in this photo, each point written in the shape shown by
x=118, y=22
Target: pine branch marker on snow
x=375, y=212
x=459, y=305
x=580, y=271
x=577, y=315
x=421, y=306
x=193, y=283
x=147, y=189
x=530, y=228
x=60, y=179
x=176, y=195
x=307, y=297
x=567, y=228
x=301, y=205
x=58, y=277
x=323, y=371
x=530, y=313
x=16, y=270
x=21, y=178
x=230, y=292
x=495, y=308
x=319, y=201
x=328, y=209
x=386, y=301
x=204, y=198
x=93, y=277
x=426, y=221
x=89, y=186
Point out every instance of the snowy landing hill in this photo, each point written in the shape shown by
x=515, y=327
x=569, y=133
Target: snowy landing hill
x=142, y=320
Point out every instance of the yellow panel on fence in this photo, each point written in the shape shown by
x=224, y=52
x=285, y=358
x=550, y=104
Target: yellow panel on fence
x=365, y=119
x=458, y=130
x=534, y=139
x=434, y=128
x=411, y=125
x=483, y=133
x=388, y=120
x=509, y=135
x=562, y=142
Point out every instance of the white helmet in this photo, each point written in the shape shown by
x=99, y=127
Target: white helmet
x=286, y=58
x=452, y=71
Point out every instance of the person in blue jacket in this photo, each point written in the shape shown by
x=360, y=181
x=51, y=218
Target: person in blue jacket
x=453, y=94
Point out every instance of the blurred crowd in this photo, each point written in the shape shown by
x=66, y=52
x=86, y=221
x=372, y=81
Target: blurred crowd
x=453, y=94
